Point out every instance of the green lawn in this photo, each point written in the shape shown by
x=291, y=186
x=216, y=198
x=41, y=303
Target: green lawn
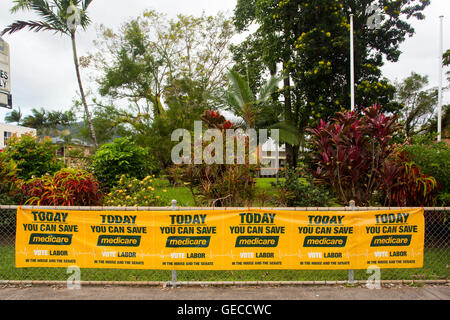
x=435, y=267
x=184, y=196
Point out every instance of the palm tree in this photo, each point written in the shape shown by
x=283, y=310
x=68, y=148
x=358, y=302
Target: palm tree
x=14, y=116
x=59, y=16
x=49, y=123
x=38, y=121
x=258, y=111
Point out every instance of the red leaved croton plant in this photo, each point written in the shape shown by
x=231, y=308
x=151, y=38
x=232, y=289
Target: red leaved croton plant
x=357, y=157
x=67, y=187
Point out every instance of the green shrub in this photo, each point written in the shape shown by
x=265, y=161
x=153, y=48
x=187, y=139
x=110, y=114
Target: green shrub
x=298, y=190
x=33, y=157
x=120, y=157
x=131, y=192
x=218, y=185
x=9, y=184
x=433, y=159
x=405, y=185
x=67, y=187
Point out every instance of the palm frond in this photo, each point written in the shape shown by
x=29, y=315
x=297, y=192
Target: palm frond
x=48, y=14
x=19, y=5
x=86, y=4
x=241, y=87
x=85, y=20
x=268, y=88
x=54, y=13
x=81, y=6
x=233, y=102
x=35, y=26
x=288, y=133
x=270, y=112
x=14, y=116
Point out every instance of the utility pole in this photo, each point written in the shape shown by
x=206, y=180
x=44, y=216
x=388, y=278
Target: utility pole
x=441, y=66
x=352, y=66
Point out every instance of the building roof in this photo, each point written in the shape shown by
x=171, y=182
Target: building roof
x=11, y=127
x=76, y=142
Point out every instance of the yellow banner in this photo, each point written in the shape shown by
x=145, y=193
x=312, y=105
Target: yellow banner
x=220, y=239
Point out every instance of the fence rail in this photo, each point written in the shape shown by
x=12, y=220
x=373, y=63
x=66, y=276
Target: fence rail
x=436, y=256
x=349, y=208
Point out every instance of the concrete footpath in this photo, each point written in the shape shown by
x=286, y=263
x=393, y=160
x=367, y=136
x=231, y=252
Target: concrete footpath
x=337, y=292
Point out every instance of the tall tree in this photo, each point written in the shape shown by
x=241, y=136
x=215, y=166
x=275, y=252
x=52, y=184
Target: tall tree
x=58, y=16
x=14, y=116
x=161, y=74
x=308, y=43
x=152, y=57
x=37, y=120
x=49, y=122
x=430, y=128
x=446, y=62
x=418, y=103
x=105, y=121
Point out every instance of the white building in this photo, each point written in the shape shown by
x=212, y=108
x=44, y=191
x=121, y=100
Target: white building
x=273, y=154
x=8, y=130
x=5, y=76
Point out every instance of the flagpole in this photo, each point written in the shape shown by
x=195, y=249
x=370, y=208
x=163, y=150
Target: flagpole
x=352, y=66
x=441, y=66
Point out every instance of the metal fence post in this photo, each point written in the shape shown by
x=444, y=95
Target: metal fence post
x=174, y=272
x=351, y=272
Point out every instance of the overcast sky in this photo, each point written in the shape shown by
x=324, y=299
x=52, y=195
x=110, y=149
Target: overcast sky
x=42, y=71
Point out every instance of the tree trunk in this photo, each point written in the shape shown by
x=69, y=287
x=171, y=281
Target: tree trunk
x=291, y=155
x=83, y=97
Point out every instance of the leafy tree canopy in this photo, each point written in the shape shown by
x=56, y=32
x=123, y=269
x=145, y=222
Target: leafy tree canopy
x=308, y=42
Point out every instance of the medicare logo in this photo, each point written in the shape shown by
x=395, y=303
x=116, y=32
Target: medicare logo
x=51, y=239
x=256, y=241
x=188, y=242
x=391, y=240
x=119, y=241
x=325, y=241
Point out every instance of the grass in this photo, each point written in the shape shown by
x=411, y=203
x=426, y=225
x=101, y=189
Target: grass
x=266, y=187
x=266, y=184
x=184, y=196
x=435, y=267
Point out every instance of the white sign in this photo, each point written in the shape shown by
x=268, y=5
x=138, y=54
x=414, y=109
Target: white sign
x=3, y=99
x=5, y=83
